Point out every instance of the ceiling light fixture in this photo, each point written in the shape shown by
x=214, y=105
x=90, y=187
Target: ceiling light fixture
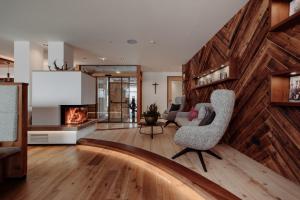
x=118, y=72
x=293, y=73
x=152, y=42
x=102, y=58
x=132, y=41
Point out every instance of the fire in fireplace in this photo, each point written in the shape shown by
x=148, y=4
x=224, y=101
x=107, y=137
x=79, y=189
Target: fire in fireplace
x=74, y=114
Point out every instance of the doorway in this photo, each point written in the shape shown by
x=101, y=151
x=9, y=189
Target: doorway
x=115, y=96
x=174, y=88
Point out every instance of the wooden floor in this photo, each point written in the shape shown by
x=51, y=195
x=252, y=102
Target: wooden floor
x=237, y=173
x=112, y=126
x=82, y=172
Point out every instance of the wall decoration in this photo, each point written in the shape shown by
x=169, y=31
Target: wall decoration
x=294, y=94
x=64, y=67
x=155, y=85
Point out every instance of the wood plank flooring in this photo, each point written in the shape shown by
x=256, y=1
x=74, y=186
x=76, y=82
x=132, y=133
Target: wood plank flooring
x=83, y=172
x=237, y=173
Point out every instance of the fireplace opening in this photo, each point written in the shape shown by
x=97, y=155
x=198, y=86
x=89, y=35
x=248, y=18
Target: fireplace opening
x=74, y=114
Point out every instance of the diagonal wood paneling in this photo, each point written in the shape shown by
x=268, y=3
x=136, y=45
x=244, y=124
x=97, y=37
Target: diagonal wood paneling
x=268, y=134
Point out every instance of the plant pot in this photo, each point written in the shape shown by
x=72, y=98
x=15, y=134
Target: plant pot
x=151, y=120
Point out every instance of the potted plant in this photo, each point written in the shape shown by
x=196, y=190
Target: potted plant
x=152, y=114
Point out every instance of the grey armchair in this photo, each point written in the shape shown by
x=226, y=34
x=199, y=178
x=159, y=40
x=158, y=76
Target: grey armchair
x=171, y=115
x=203, y=138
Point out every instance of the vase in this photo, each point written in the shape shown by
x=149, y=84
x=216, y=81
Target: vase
x=151, y=120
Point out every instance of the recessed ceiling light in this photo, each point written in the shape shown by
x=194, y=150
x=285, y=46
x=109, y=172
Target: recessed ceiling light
x=293, y=73
x=152, y=42
x=132, y=41
x=102, y=58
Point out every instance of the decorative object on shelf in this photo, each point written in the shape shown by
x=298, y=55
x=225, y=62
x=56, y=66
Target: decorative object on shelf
x=225, y=72
x=152, y=114
x=294, y=94
x=64, y=67
x=294, y=7
x=8, y=79
x=155, y=85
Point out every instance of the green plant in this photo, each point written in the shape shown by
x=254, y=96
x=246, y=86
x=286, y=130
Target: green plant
x=152, y=110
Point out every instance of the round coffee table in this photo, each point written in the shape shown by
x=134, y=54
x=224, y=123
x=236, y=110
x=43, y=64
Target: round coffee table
x=159, y=124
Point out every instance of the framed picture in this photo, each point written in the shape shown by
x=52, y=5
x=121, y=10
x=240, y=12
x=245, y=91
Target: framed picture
x=294, y=7
x=294, y=94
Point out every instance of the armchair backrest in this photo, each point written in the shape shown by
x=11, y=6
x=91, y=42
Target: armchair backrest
x=13, y=125
x=199, y=105
x=8, y=113
x=181, y=101
x=223, y=104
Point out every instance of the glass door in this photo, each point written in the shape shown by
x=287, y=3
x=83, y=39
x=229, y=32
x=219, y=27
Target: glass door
x=116, y=101
x=102, y=99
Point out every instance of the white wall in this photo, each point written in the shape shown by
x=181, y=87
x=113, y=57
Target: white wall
x=56, y=53
x=160, y=98
x=22, y=67
x=176, y=87
x=28, y=56
x=88, y=89
x=36, y=56
x=69, y=55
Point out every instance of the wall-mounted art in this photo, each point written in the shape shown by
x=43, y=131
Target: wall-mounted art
x=294, y=94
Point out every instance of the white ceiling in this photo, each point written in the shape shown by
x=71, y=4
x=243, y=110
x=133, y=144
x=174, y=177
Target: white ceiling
x=102, y=27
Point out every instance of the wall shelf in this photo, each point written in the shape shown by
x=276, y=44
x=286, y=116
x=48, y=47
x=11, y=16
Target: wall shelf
x=214, y=83
x=280, y=15
x=291, y=104
x=280, y=89
x=224, y=73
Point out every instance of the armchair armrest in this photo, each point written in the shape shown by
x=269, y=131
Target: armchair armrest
x=182, y=114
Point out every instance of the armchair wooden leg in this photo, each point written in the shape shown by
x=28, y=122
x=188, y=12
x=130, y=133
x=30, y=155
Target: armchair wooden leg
x=181, y=152
x=213, y=154
x=202, y=160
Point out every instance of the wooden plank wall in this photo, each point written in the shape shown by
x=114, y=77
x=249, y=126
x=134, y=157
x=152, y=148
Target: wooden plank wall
x=268, y=134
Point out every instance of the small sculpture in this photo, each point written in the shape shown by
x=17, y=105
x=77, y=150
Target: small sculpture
x=62, y=68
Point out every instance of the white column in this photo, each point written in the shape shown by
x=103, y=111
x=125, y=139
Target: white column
x=28, y=56
x=61, y=53
x=22, y=61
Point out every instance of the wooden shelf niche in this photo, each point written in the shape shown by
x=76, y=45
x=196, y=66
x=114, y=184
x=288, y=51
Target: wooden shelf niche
x=282, y=15
x=280, y=89
x=226, y=72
